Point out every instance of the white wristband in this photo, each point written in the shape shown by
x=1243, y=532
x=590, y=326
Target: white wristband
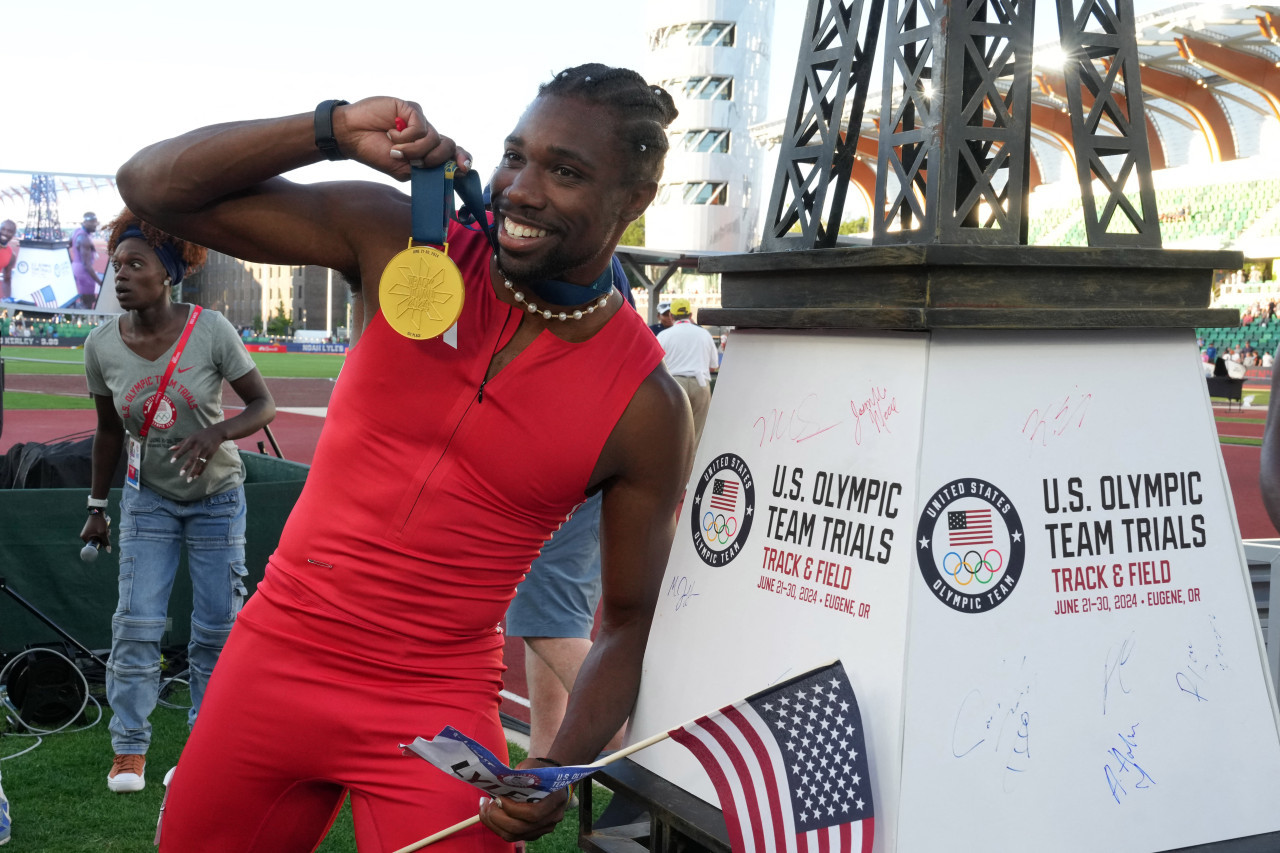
x=100, y=503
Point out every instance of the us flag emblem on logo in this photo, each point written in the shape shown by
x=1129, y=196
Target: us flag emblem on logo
x=970, y=545
x=722, y=508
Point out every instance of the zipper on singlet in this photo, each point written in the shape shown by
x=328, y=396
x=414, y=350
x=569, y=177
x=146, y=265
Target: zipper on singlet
x=458, y=425
x=501, y=332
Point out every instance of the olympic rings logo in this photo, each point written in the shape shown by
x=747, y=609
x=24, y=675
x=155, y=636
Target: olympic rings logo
x=974, y=566
x=718, y=529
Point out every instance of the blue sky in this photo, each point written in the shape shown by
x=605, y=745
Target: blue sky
x=85, y=91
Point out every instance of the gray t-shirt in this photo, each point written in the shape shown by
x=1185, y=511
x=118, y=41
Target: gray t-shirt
x=192, y=401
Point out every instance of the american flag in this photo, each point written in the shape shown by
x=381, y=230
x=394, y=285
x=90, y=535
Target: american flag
x=970, y=527
x=44, y=297
x=724, y=495
x=790, y=766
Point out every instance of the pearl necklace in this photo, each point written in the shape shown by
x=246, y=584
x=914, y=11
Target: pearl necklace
x=548, y=314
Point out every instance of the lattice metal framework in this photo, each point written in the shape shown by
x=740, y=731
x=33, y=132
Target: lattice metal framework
x=1100, y=30
x=816, y=157
x=42, y=210
x=957, y=140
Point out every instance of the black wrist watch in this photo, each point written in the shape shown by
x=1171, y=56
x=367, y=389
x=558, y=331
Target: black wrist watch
x=324, y=130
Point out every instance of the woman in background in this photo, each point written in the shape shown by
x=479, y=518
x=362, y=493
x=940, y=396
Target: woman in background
x=185, y=478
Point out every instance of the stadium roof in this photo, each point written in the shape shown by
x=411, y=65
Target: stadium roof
x=1210, y=77
x=15, y=185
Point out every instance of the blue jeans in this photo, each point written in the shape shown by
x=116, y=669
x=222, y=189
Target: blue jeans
x=152, y=530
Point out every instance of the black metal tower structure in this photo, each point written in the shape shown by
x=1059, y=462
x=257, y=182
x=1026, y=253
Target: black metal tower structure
x=42, y=213
x=950, y=220
x=953, y=151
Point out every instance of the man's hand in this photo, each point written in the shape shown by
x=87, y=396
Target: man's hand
x=366, y=131
x=513, y=821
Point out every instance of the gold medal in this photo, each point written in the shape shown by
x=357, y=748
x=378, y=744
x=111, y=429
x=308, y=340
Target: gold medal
x=421, y=292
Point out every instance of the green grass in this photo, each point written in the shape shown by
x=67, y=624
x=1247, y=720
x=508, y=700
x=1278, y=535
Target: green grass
x=26, y=400
x=60, y=802
x=279, y=365
x=33, y=362
x=273, y=365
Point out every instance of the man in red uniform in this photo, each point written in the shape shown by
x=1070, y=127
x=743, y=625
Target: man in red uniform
x=443, y=467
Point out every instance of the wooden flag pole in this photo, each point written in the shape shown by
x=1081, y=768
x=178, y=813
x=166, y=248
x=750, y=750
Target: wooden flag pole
x=474, y=819
x=444, y=833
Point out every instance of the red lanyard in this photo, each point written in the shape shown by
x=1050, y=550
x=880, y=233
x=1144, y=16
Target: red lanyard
x=173, y=362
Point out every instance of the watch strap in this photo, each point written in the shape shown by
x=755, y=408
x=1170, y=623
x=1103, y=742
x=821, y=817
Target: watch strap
x=325, y=140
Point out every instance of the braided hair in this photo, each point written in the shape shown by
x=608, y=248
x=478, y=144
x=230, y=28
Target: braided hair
x=644, y=111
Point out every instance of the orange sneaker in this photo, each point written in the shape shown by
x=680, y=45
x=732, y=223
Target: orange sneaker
x=126, y=773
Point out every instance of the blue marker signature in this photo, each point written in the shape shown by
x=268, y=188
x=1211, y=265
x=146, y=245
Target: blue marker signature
x=1194, y=678
x=681, y=589
x=1122, y=768
x=1113, y=669
x=998, y=725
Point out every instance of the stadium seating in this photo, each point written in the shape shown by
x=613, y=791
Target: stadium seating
x=1206, y=216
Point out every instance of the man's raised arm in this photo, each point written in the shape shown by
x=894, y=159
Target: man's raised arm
x=219, y=186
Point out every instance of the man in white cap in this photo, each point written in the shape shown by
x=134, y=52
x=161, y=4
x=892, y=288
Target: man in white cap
x=664, y=318
x=691, y=357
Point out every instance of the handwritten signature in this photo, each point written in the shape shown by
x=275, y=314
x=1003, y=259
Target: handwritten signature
x=681, y=589
x=876, y=409
x=1003, y=726
x=798, y=423
x=1193, y=678
x=1056, y=418
x=1121, y=766
x=1113, y=669
x=805, y=420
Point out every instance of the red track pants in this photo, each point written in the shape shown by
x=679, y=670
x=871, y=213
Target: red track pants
x=305, y=708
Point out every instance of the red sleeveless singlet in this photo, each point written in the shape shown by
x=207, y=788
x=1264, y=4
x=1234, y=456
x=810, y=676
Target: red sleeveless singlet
x=426, y=502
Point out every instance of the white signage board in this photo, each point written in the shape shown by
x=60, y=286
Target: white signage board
x=1054, y=645
x=1108, y=693
x=43, y=277
x=811, y=566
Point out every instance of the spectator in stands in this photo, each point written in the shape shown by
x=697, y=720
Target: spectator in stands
x=1267, y=360
x=8, y=257
x=1211, y=353
x=184, y=481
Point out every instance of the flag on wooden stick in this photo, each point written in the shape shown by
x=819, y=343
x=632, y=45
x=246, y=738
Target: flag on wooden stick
x=790, y=766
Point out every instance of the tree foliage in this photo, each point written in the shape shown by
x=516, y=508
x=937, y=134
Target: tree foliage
x=280, y=324
x=634, y=235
